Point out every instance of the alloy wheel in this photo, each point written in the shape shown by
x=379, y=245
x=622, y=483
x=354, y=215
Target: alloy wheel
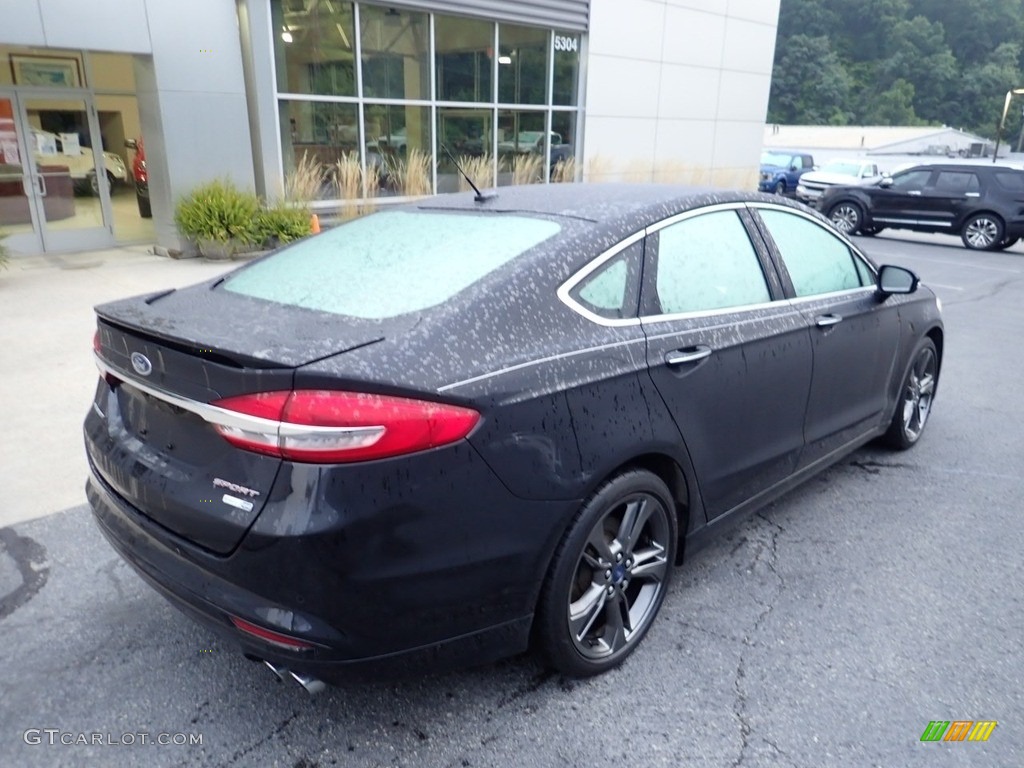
x=982, y=233
x=846, y=218
x=918, y=394
x=620, y=577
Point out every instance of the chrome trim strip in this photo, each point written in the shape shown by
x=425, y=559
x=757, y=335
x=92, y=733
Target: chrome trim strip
x=539, y=361
x=675, y=218
x=865, y=289
x=225, y=418
x=917, y=222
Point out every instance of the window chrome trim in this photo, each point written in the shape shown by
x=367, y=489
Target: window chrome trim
x=650, y=319
x=865, y=289
x=677, y=217
x=567, y=287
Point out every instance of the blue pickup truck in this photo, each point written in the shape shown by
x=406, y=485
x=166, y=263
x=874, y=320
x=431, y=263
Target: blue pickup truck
x=782, y=169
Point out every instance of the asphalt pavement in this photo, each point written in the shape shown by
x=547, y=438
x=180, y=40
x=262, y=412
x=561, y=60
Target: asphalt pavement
x=827, y=630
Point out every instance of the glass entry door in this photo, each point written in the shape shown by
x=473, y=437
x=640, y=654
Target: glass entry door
x=51, y=196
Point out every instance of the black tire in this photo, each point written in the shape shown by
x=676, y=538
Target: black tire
x=847, y=217
x=609, y=576
x=145, y=211
x=916, y=396
x=780, y=187
x=982, y=232
x=870, y=231
x=1006, y=243
x=93, y=183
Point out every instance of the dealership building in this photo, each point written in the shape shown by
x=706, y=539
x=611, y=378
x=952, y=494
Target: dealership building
x=604, y=90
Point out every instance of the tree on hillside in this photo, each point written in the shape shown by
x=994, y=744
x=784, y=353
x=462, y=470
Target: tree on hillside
x=809, y=84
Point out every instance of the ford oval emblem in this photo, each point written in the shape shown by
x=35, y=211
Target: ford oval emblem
x=141, y=364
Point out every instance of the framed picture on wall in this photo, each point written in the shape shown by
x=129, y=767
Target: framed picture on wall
x=48, y=71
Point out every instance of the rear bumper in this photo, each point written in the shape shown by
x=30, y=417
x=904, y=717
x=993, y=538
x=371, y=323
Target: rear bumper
x=364, y=622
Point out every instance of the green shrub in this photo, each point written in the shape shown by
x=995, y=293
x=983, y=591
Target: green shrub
x=281, y=224
x=220, y=212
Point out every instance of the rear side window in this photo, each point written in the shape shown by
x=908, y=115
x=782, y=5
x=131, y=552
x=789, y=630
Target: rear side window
x=817, y=261
x=956, y=183
x=613, y=289
x=707, y=262
x=391, y=263
x=1010, y=181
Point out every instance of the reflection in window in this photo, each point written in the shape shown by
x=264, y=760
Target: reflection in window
x=465, y=58
x=324, y=131
x=467, y=135
x=708, y=262
x=911, y=180
x=396, y=49
x=521, y=147
x=522, y=64
x=817, y=261
x=314, y=48
x=398, y=144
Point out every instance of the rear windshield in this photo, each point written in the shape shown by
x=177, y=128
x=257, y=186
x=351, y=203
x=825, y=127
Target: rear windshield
x=390, y=263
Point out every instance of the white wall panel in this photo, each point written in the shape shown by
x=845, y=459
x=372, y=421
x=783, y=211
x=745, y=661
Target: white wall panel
x=110, y=25
x=631, y=29
x=693, y=37
x=689, y=93
x=622, y=87
x=749, y=47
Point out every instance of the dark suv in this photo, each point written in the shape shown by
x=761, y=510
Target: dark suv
x=984, y=204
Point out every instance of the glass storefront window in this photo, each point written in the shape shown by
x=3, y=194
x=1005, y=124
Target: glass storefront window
x=464, y=51
x=522, y=64
x=467, y=135
x=566, y=46
x=396, y=53
x=313, y=48
x=398, y=144
x=563, y=155
x=521, y=147
x=325, y=131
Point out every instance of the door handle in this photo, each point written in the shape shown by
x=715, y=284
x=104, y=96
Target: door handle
x=824, y=321
x=41, y=184
x=688, y=355
x=914, y=192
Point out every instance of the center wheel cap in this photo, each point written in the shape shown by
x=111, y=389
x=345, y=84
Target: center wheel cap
x=618, y=573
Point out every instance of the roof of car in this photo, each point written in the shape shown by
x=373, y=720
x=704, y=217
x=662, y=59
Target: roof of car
x=589, y=201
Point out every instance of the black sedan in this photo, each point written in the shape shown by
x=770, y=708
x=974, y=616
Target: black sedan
x=434, y=434
x=982, y=203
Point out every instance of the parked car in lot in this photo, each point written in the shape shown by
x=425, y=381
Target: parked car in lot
x=833, y=173
x=781, y=171
x=983, y=204
x=427, y=436
x=79, y=161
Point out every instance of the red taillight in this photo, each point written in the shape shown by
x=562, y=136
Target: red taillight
x=324, y=426
x=96, y=342
x=274, y=638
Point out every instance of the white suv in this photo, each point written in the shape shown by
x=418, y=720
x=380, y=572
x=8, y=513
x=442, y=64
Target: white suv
x=49, y=150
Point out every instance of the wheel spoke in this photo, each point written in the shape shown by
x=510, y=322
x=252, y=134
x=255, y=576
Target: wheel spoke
x=585, y=611
x=617, y=616
x=926, y=386
x=650, y=564
x=596, y=542
x=634, y=519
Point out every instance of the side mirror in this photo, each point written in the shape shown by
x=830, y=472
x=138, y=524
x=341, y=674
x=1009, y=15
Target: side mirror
x=896, y=280
x=885, y=182
x=793, y=168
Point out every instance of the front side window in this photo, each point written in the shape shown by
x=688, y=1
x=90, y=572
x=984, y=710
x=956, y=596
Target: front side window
x=708, y=262
x=911, y=180
x=390, y=263
x=817, y=261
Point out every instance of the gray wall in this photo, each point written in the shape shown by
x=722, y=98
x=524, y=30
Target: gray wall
x=189, y=77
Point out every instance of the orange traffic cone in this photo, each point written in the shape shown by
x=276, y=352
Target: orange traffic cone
x=314, y=224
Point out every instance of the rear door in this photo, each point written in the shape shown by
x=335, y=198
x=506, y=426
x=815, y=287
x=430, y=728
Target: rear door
x=731, y=362
x=950, y=196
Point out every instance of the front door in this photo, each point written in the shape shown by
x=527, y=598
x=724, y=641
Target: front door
x=51, y=196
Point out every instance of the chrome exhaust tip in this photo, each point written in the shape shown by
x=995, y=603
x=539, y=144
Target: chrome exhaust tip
x=281, y=672
x=312, y=685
